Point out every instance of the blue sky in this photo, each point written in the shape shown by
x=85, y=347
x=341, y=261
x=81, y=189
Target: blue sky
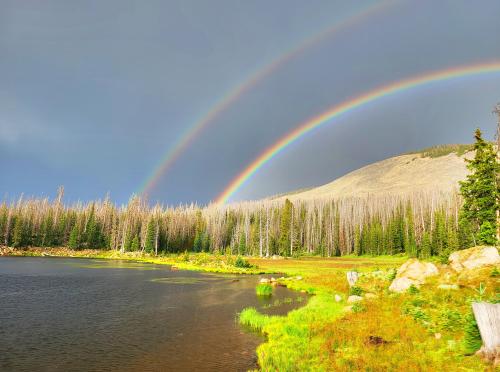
x=94, y=92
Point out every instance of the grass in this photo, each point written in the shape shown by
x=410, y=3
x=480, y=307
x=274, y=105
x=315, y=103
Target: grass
x=293, y=342
x=443, y=150
x=264, y=290
x=422, y=329
x=204, y=262
x=417, y=330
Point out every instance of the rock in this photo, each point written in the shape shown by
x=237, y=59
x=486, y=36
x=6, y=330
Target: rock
x=437, y=336
x=338, y=298
x=298, y=277
x=264, y=281
x=273, y=279
x=474, y=258
x=448, y=286
x=352, y=299
x=402, y=284
x=276, y=257
x=412, y=272
x=352, y=277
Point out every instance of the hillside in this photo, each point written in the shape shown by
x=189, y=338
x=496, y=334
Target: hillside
x=435, y=169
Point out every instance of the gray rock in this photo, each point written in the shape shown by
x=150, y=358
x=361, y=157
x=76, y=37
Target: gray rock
x=352, y=299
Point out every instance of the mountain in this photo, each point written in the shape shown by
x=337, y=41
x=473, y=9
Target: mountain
x=437, y=169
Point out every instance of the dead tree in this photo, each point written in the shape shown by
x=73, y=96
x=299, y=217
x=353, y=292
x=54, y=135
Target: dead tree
x=488, y=321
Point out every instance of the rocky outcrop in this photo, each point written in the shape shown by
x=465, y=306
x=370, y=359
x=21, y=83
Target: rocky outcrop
x=412, y=272
x=474, y=258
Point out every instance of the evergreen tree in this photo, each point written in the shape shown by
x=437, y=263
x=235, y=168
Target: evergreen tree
x=18, y=235
x=198, y=242
x=74, y=236
x=149, y=245
x=284, y=237
x=426, y=246
x=242, y=244
x=480, y=192
x=487, y=234
x=410, y=243
x=135, y=245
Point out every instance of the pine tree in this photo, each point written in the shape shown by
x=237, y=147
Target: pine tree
x=480, y=192
x=198, y=242
x=18, y=235
x=410, y=244
x=284, y=237
x=74, y=236
x=149, y=245
x=135, y=244
x=426, y=246
x=487, y=234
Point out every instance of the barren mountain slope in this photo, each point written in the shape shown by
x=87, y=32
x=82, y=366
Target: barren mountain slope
x=398, y=175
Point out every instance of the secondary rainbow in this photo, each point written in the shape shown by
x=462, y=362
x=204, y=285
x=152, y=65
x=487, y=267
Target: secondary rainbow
x=190, y=135
x=347, y=106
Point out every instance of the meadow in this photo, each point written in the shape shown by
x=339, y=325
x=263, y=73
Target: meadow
x=422, y=329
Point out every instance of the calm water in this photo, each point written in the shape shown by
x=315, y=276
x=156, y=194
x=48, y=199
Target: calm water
x=61, y=314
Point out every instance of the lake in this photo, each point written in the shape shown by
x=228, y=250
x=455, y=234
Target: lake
x=62, y=314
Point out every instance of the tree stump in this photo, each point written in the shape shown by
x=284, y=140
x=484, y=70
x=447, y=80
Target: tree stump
x=352, y=278
x=488, y=321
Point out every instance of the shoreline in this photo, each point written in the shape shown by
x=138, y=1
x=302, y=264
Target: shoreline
x=204, y=262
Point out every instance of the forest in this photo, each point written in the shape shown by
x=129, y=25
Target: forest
x=420, y=224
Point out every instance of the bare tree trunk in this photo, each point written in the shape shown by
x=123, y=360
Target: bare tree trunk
x=260, y=234
x=497, y=111
x=156, y=237
x=267, y=232
x=488, y=321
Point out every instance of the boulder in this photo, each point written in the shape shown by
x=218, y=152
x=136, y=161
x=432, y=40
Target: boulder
x=474, y=258
x=352, y=299
x=412, y=272
x=264, y=281
x=402, y=284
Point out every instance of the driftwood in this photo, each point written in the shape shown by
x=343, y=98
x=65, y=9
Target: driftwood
x=352, y=277
x=488, y=321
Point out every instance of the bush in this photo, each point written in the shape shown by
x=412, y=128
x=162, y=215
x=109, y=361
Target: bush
x=264, y=290
x=355, y=291
x=413, y=290
x=472, y=340
x=242, y=263
x=358, y=307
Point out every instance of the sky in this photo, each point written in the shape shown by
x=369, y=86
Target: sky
x=94, y=93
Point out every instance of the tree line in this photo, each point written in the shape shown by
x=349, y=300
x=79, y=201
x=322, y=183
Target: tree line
x=420, y=224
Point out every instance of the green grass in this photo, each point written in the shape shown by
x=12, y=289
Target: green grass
x=293, y=343
x=264, y=290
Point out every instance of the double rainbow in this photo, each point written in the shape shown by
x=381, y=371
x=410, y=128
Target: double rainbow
x=193, y=132
x=347, y=106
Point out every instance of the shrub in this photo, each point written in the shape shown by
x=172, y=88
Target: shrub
x=358, y=307
x=355, y=291
x=413, y=290
x=472, y=340
x=264, y=290
x=242, y=263
x=392, y=275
